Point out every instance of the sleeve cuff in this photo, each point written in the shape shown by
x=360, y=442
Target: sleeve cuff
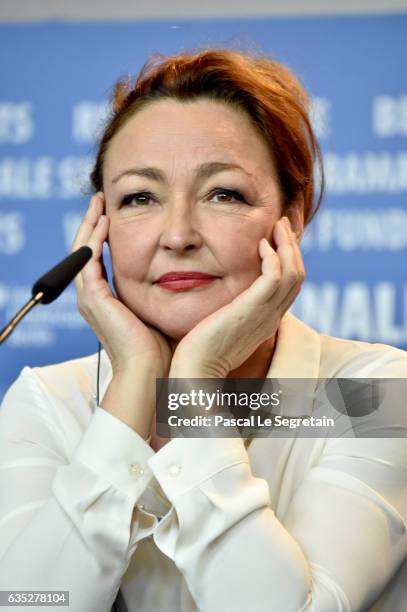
x=184, y=463
x=116, y=452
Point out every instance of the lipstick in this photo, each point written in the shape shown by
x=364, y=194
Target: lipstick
x=184, y=279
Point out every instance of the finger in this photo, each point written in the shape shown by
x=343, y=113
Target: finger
x=264, y=287
x=89, y=221
x=297, y=253
x=291, y=261
x=93, y=271
x=300, y=261
x=282, y=270
x=85, y=232
x=288, y=300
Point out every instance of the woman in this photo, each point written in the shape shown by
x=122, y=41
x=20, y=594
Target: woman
x=203, y=186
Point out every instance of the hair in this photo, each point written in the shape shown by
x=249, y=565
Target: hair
x=272, y=97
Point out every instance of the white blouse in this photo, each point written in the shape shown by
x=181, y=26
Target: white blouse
x=287, y=525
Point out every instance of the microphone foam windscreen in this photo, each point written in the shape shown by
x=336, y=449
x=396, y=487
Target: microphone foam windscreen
x=58, y=278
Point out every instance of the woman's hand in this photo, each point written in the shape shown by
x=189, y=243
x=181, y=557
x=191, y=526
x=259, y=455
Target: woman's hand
x=129, y=343
x=225, y=339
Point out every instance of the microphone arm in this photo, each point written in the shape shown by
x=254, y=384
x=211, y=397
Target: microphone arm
x=47, y=288
x=17, y=318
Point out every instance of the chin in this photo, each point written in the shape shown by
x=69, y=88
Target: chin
x=177, y=323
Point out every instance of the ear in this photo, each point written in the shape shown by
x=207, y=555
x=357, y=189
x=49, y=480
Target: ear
x=295, y=212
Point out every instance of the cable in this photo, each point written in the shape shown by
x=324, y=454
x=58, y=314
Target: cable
x=114, y=607
x=97, y=374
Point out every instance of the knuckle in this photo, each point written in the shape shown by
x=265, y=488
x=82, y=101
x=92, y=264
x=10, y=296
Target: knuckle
x=85, y=308
x=292, y=276
x=86, y=294
x=276, y=279
x=83, y=299
x=81, y=308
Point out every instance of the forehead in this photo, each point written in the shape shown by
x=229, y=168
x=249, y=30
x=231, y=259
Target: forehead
x=178, y=133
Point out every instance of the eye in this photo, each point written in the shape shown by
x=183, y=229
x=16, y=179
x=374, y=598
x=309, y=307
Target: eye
x=141, y=198
x=231, y=194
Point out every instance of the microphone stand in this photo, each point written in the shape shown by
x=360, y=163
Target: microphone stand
x=21, y=313
x=51, y=285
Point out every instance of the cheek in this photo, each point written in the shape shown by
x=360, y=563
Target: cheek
x=129, y=252
x=239, y=253
x=241, y=266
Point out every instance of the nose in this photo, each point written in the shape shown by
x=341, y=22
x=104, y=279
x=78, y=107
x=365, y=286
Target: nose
x=179, y=229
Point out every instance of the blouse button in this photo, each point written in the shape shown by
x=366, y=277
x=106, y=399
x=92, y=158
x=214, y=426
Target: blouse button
x=137, y=469
x=174, y=469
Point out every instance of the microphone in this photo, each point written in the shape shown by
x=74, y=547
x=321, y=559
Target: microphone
x=56, y=280
x=50, y=286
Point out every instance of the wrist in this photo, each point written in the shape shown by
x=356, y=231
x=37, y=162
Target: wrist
x=187, y=368
x=130, y=397
x=195, y=368
x=136, y=368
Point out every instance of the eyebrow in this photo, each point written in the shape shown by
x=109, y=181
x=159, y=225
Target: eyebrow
x=203, y=171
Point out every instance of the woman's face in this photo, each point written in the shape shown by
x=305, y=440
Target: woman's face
x=187, y=160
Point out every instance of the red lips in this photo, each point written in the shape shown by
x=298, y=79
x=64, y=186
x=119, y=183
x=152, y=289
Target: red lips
x=183, y=275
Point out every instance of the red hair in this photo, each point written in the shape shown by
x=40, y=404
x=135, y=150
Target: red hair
x=267, y=91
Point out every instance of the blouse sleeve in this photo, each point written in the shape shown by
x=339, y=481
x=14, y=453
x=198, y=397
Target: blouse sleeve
x=66, y=518
x=341, y=540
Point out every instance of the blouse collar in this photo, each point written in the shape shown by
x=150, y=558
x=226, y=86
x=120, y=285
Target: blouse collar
x=297, y=355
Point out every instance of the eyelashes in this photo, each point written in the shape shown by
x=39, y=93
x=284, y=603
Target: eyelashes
x=146, y=196
x=229, y=192
x=127, y=200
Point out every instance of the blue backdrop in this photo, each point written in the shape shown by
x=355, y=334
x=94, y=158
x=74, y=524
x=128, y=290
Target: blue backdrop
x=55, y=81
